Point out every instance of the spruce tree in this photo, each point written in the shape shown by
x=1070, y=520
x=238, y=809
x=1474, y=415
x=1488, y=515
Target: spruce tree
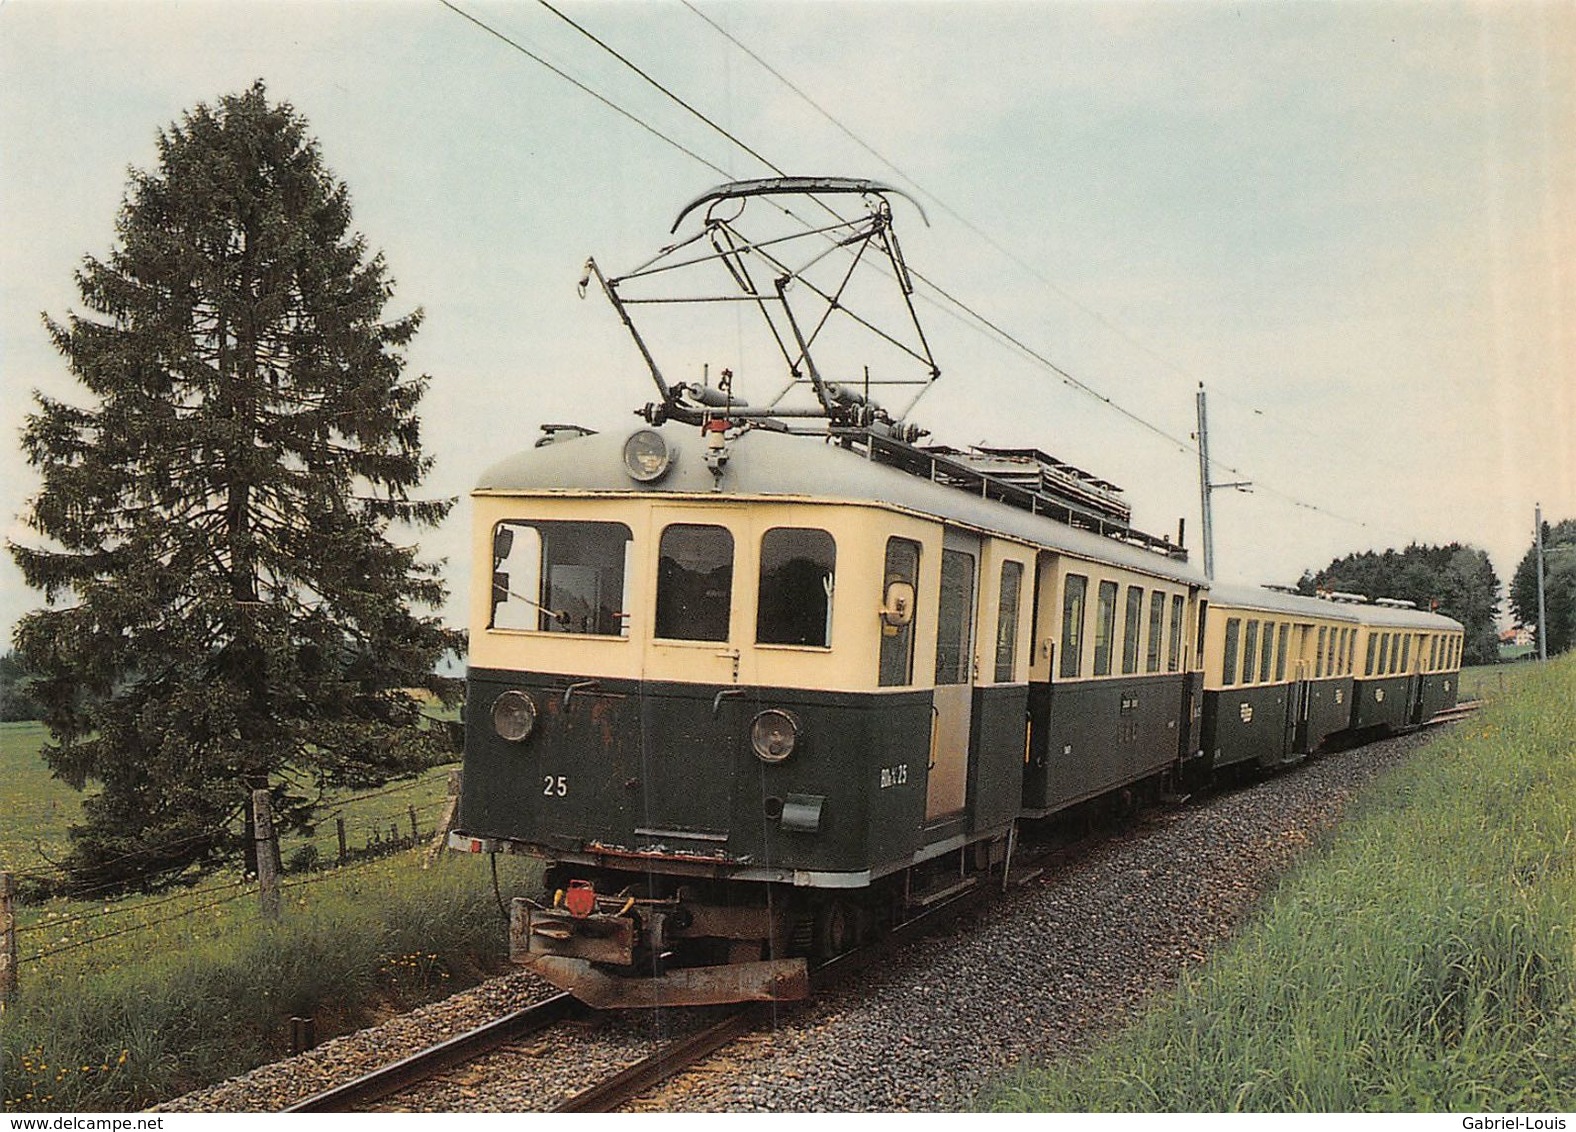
x=228, y=604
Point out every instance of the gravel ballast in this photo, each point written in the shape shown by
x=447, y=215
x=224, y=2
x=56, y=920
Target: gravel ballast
x=1037, y=975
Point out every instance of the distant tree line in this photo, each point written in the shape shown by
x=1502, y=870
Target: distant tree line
x=1559, y=586
x=16, y=697
x=1456, y=580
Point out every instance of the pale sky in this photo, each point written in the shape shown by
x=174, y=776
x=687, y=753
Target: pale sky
x=1354, y=222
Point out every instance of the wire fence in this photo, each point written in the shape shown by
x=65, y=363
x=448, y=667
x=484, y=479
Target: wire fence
x=381, y=834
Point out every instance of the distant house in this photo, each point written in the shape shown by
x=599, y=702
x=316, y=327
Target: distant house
x=1517, y=637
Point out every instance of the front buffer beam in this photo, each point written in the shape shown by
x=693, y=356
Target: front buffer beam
x=581, y=954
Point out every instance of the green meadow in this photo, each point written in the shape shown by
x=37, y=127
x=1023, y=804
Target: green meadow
x=1423, y=959
x=128, y=1001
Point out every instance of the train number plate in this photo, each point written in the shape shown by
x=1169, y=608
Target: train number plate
x=894, y=775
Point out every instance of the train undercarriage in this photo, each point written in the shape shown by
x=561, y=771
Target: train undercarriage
x=617, y=939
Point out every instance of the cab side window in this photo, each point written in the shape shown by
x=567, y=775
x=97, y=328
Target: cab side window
x=897, y=635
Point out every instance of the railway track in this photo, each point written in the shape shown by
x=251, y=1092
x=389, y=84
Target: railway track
x=401, y=1075
x=623, y=1085
x=1450, y=715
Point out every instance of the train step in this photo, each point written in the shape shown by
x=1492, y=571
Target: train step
x=937, y=895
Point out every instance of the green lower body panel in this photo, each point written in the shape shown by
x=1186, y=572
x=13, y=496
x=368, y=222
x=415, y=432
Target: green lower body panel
x=1090, y=737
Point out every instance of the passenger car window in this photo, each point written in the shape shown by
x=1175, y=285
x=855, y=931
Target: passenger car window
x=1233, y=630
x=1281, y=640
x=1174, y=655
x=1104, y=629
x=897, y=640
x=1074, y=594
x=1157, y=629
x=1267, y=650
x=1373, y=646
x=560, y=577
x=694, y=582
x=1132, y=626
x=1250, y=652
x=794, y=602
x=1007, y=621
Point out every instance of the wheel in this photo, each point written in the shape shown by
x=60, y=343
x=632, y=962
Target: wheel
x=836, y=929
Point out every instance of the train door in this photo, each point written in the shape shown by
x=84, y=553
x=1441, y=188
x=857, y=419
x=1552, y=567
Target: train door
x=690, y=694
x=1415, y=683
x=1299, y=701
x=955, y=674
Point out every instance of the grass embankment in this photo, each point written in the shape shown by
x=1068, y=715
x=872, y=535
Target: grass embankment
x=1421, y=961
x=128, y=1001
x=167, y=1007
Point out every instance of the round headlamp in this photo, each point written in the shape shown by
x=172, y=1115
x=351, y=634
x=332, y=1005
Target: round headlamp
x=647, y=456
x=773, y=735
x=514, y=716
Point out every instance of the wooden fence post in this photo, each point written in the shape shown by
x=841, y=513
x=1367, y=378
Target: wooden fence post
x=415, y=834
x=344, y=849
x=267, y=854
x=8, y=972
x=445, y=821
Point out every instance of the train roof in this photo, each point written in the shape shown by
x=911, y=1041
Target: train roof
x=764, y=463
x=1260, y=598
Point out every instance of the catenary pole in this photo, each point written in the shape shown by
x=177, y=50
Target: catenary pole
x=1537, y=541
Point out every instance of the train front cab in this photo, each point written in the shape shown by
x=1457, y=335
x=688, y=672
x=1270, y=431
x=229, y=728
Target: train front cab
x=1277, y=676
x=643, y=777
x=1409, y=665
x=1114, y=688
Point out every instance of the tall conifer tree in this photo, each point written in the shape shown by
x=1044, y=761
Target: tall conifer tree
x=228, y=608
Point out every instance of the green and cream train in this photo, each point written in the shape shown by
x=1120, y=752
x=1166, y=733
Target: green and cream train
x=756, y=681
x=750, y=716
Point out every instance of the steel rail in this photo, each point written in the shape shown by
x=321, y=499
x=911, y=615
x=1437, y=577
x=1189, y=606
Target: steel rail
x=429, y=1062
x=671, y=1059
x=1451, y=714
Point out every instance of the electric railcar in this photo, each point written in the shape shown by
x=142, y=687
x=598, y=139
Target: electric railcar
x=753, y=694
x=747, y=724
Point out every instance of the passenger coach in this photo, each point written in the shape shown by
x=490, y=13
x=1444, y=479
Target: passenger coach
x=1407, y=668
x=1285, y=673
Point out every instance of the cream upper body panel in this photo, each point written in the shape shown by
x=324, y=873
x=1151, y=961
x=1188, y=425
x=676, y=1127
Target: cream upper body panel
x=770, y=483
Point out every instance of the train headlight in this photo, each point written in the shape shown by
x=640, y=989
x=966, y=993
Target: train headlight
x=773, y=734
x=514, y=716
x=647, y=456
